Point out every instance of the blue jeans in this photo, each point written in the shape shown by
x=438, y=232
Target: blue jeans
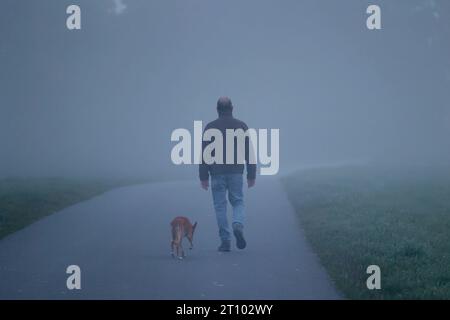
x=232, y=183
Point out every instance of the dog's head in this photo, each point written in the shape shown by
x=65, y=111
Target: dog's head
x=190, y=235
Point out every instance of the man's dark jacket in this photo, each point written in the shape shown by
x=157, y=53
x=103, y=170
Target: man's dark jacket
x=227, y=121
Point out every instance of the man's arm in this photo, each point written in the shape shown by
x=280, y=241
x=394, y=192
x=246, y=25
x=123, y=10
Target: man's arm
x=251, y=175
x=203, y=168
x=204, y=176
x=203, y=171
x=251, y=167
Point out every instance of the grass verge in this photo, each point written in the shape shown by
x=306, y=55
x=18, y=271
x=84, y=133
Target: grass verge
x=396, y=218
x=24, y=201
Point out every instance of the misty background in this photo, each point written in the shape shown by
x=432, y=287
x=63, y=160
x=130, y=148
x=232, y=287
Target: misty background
x=103, y=101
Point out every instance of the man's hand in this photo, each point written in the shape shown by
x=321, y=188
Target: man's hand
x=251, y=182
x=205, y=184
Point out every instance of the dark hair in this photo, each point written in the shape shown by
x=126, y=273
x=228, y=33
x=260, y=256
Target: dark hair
x=224, y=105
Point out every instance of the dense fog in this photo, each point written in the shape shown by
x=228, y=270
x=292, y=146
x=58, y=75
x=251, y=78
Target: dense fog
x=104, y=100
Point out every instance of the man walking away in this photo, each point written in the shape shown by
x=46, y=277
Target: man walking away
x=228, y=178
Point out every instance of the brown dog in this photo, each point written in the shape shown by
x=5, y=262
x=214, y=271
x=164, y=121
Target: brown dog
x=181, y=227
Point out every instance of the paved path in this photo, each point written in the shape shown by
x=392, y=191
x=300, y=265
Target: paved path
x=120, y=240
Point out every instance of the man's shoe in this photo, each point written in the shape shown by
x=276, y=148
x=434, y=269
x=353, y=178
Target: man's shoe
x=238, y=230
x=225, y=246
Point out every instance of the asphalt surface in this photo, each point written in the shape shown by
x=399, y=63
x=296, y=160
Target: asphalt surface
x=121, y=242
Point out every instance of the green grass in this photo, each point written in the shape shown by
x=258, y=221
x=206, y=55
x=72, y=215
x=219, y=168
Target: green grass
x=396, y=218
x=24, y=201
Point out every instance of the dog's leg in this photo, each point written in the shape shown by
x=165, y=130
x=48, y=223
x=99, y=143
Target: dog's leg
x=179, y=239
x=182, y=251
